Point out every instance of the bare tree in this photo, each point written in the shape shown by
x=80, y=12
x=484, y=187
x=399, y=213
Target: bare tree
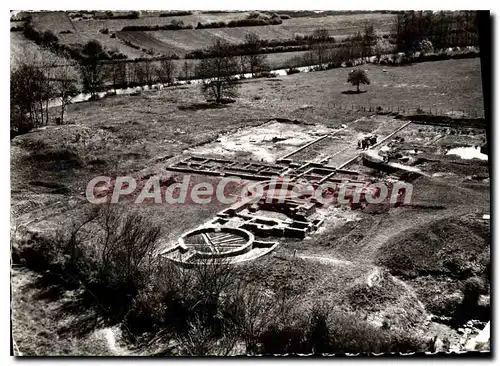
x=319, y=44
x=25, y=94
x=92, y=69
x=252, y=312
x=309, y=59
x=186, y=69
x=139, y=73
x=31, y=89
x=118, y=73
x=253, y=53
x=165, y=71
x=218, y=72
x=66, y=83
x=149, y=73
x=369, y=40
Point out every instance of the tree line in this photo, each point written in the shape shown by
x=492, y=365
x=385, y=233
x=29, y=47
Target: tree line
x=38, y=79
x=442, y=29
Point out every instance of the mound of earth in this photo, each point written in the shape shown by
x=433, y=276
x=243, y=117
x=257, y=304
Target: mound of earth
x=456, y=247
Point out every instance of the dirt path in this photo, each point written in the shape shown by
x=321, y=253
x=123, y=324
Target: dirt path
x=325, y=260
x=109, y=335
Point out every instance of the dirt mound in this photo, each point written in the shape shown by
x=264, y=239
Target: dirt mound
x=387, y=302
x=63, y=147
x=456, y=247
x=62, y=136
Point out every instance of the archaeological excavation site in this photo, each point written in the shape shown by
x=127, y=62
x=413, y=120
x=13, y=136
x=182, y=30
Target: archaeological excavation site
x=249, y=184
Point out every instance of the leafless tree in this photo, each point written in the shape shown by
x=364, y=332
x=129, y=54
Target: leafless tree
x=149, y=74
x=253, y=53
x=218, y=72
x=186, y=69
x=139, y=73
x=165, y=71
x=118, y=73
x=66, y=81
x=320, y=40
x=92, y=68
x=32, y=88
x=252, y=311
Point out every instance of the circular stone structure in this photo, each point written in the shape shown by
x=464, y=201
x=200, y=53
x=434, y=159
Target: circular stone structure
x=220, y=242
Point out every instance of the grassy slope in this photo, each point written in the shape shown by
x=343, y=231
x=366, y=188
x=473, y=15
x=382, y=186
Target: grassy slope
x=20, y=46
x=38, y=323
x=341, y=26
x=183, y=41
x=445, y=85
x=455, y=246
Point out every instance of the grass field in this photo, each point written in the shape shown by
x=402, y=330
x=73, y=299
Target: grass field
x=183, y=41
x=21, y=47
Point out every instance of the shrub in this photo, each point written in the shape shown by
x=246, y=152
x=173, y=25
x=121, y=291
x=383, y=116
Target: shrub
x=174, y=25
x=49, y=38
x=176, y=13
x=108, y=251
x=266, y=74
x=472, y=289
x=322, y=330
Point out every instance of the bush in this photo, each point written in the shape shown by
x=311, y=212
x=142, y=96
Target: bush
x=266, y=74
x=211, y=25
x=174, y=25
x=323, y=330
x=254, y=19
x=176, y=13
x=473, y=287
x=109, y=251
x=110, y=15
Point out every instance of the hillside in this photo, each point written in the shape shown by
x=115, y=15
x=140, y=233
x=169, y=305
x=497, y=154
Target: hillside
x=72, y=31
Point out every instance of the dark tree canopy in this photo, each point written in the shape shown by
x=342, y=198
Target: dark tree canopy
x=357, y=77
